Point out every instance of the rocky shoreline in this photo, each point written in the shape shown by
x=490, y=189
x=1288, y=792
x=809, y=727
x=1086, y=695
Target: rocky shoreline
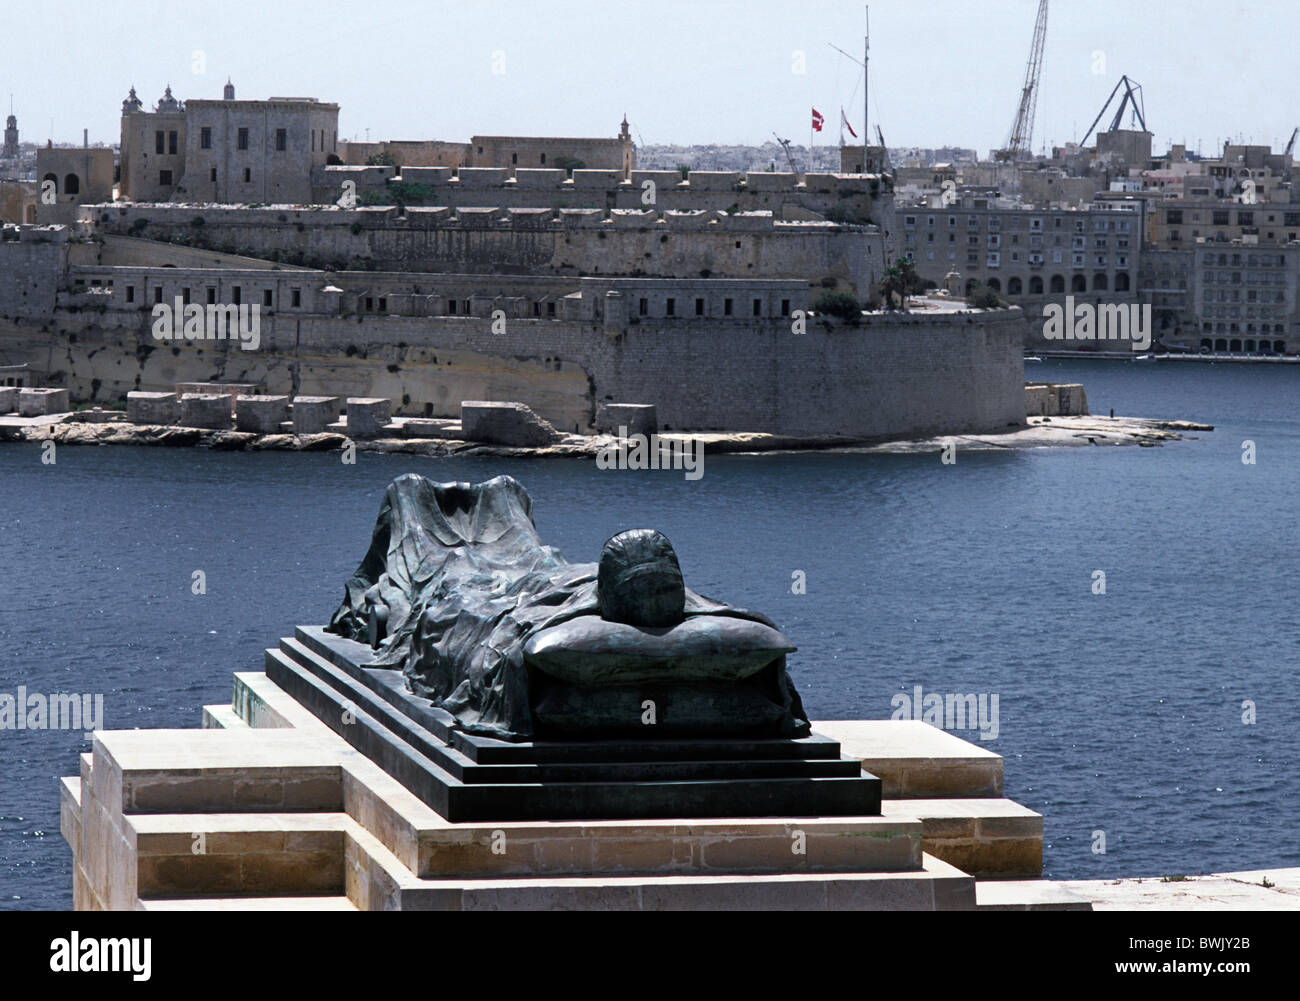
x=1039, y=432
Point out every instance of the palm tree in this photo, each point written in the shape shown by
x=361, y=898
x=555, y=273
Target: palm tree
x=900, y=279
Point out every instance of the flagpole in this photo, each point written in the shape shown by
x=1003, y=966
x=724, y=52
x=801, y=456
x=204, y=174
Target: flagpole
x=866, y=71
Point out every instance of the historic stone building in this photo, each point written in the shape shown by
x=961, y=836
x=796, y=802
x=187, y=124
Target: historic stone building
x=11, y=138
x=225, y=151
x=70, y=176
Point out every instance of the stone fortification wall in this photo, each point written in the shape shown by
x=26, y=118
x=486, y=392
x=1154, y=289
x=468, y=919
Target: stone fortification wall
x=890, y=376
x=492, y=240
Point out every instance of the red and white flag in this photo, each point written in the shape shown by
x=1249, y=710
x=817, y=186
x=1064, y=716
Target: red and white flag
x=817, y=120
x=844, y=120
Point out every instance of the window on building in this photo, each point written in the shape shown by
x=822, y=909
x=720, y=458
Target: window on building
x=281, y=140
x=160, y=142
x=130, y=293
x=451, y=307
x=296, y=298
x=370, y=304
x=1220, y=217
x=643, y=307
x=205, y=138
x=727, y=305
x=185, y=296
x=785, y=307
x=165, y=178
x=212, y=296
x=248, y=174
x=171, y=142
x=241, y=140
x=758, y=307
x=671, y=307
x=550, y=309
x=266, y=298
x=236, y=294
x=383, y=304
x=212, y=174
x=157, y=294
x=699, y=307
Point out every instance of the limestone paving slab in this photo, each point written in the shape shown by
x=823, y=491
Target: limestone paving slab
x=1235, y=891
x=990, y=837
x=915, y=760
x=1027, y=895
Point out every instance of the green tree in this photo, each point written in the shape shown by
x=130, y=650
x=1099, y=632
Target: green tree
x=901, y=280
x=840, y=305
x=983, y=297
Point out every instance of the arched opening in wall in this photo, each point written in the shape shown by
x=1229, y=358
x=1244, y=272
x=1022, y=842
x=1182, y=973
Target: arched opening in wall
x=1279, y=346
x=71, y=185
x=1015, y=287
x=970, y=285
x=1036, y=285
x=51, y=177
x=1122, y=282
x=1234, y=344
x=1220, y=344
x=995, y=284
x=1100, y=283
x=1078, y=284
x=1207, y=344
x=1266, y=347
x=1250, y=345
x=1058, y=283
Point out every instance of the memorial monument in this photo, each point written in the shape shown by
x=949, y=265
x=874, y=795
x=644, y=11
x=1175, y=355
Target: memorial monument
x=499, y=681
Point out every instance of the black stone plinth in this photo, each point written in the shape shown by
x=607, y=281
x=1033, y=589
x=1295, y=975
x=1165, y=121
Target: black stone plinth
x=465, y=777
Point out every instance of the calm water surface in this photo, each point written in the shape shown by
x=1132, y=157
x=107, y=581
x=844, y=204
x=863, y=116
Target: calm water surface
x=1119, y=713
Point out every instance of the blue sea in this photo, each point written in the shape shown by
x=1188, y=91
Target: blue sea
x=1119, y=712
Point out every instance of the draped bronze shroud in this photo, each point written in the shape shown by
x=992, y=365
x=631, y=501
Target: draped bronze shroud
x=458, y=581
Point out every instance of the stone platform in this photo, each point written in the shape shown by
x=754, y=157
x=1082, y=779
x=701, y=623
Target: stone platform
x=467, y=777
x=268, y=808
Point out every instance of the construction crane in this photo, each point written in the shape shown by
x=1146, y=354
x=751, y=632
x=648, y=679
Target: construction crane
x=785, y=147
x=1020, y=141
x=1290, y=147
x=1132, y=98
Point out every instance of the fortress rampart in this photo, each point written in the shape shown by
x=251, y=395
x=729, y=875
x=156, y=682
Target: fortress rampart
x=496, y=240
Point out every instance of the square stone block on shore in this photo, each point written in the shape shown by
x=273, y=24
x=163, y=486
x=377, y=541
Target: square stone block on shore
x=312, y=414
x=368, y=416
x=261, y=414
x=230, y=390
x=152, y=408
x=205, y=410
x=636, y=418
x=8, y=399
x=42, y=402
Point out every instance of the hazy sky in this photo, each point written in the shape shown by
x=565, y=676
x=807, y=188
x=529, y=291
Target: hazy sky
x=942, y=71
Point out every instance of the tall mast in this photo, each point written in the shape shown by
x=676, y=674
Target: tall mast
x=866, y=64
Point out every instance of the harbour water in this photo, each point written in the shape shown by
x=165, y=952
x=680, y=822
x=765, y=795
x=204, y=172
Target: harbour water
x=1119, y=712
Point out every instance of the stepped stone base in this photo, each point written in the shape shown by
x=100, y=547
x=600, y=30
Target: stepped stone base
x=267, y=808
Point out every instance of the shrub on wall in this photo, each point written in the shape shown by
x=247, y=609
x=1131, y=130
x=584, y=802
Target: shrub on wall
x=840, y=305
x=983, y=297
